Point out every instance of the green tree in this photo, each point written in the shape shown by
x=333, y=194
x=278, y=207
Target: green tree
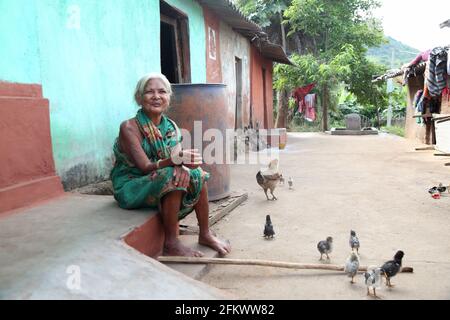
x=334, y=37
x=341, y=32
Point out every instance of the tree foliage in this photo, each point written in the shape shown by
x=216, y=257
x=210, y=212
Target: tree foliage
x=263, y=12
x=340, y=33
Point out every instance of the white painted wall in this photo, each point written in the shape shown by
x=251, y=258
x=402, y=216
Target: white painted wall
x=234, y=45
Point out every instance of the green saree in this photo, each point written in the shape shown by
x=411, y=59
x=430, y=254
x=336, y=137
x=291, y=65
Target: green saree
x=133, y=189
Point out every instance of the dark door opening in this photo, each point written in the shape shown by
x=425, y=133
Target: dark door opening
x=175, y=54
x=238, y=110
x=169, y=60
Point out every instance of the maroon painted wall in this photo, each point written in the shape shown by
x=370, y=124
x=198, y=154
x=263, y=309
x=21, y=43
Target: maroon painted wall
x=148, y=238
x=258, y=62
x=213, y=61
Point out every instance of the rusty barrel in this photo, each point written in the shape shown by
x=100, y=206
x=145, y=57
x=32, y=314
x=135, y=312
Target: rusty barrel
x=206, y=103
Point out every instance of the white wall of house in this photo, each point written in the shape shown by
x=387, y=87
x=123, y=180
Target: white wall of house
x=234, y=45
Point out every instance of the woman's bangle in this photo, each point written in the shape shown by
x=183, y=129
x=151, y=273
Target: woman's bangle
x=157, y=164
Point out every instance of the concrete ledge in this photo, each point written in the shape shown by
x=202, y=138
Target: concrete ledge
x=344, y=132
x=148, y=239
x=12, y=89
x=28, y=193
x=47, y=245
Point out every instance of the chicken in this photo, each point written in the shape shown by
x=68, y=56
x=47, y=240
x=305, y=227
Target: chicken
x=392, y=267
x=291, y=183
x=268, y=228
x=269, y=178
x=439, y=189
x=354, y=241
x=325, y=247
x=373, y=280
x=282, y=181
x=352, y=266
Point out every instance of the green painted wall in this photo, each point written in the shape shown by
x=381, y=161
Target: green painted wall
x=197, y=37
x=96, y=53
x=19, y=53
x=88, y=56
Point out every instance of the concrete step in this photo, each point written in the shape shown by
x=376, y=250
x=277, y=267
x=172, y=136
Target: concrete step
x=80, y=235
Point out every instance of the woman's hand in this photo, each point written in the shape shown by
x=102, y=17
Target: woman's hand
x=181, y=176
x=189, y=157
x=193, y=158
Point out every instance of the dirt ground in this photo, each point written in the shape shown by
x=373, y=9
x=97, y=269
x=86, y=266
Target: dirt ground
x=375, y=185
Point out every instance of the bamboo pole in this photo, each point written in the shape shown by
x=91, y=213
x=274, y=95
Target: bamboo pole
x=263, y=263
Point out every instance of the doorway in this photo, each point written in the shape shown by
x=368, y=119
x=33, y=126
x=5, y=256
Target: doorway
x=174, y=44
x=238, y=110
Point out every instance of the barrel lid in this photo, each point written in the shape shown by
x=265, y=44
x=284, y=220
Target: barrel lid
x=185, y=85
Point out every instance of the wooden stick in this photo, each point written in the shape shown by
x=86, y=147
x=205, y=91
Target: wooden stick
x=225, y=211
x=263, y=263
x=443, y=120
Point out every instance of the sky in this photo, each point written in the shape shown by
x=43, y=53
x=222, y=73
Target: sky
x=416, y=22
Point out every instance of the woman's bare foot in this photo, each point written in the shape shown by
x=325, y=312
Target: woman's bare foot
x=179, y=250
x=223, y=247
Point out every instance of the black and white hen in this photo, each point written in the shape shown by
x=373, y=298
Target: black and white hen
x=269, y=178
x=325, y=247
x=392, y=267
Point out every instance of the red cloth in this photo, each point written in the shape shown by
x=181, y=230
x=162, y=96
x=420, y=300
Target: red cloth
x=300, y=93
x=423, y=56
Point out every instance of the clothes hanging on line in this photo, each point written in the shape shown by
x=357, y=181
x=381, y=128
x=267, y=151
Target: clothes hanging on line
x=437, y=71
x=418, y=105
x=417, y=98
x=310, y=107
x=423, y=56
x=448, y=62
x=299, y=95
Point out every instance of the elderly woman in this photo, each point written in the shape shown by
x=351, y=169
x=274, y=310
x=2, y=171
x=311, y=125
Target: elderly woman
x=151, y=170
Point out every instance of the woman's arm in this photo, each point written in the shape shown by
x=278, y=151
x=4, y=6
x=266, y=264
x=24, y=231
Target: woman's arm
x=130, y=140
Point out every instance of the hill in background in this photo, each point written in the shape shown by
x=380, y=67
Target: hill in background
x=402, y=53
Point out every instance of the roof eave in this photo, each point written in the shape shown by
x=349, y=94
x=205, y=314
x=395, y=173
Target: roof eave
x=275, y=53
x=230, y=14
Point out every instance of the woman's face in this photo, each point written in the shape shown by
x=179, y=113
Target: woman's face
x=155, y=98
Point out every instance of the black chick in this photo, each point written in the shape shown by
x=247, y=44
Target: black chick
x=268, y=228
x=392, y=267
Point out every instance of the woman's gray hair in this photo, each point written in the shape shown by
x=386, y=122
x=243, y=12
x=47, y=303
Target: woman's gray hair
x=140, y=87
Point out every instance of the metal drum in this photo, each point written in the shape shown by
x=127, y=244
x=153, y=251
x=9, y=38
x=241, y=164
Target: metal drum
x=206, y=103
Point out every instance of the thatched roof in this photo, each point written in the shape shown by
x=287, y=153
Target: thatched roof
x=413, y=71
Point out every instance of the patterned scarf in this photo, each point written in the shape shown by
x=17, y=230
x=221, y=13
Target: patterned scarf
x=161, y=138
